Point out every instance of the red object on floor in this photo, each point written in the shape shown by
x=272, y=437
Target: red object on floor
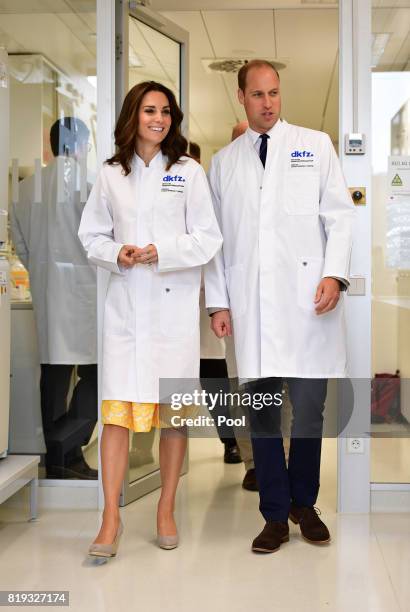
x=386, y=398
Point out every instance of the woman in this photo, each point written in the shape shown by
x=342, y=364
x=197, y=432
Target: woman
x=150, y=222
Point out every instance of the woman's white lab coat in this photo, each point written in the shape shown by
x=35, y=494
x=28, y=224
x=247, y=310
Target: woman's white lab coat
x=151, y=316
x=284, y=229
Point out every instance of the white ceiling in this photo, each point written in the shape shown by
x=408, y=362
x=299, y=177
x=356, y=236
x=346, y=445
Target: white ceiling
x=306, y=40
x=395, y=22
x=47, y=6
x=152, y=56
x=65, y=38
x=233, y=5
x=302, y=34
x=205, y=5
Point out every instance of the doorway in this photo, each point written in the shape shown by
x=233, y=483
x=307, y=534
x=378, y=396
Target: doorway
x=302, y=40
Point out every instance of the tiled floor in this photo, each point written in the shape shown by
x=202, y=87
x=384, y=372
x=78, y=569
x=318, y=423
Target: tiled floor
x=365, y=568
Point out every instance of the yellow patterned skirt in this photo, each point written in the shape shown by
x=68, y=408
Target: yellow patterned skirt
x=140, y=417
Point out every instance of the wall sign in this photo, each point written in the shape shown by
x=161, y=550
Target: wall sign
x=398, y=212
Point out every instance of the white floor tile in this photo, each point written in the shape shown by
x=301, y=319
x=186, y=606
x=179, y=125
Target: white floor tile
x=213, y=569
x=393, y=536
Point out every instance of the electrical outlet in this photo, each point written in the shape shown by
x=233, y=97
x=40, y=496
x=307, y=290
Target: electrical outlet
x=355, y=445
x=357, y=285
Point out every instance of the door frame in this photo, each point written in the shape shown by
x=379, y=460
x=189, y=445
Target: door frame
x=353, y=470
x=172, y=30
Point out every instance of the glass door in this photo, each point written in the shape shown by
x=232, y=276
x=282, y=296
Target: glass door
x=155, y=49
x=50, y=54
x=390, y=413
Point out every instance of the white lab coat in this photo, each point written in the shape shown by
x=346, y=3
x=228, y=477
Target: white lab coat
x=62, y=282
x=151, y=316
x=284, y=229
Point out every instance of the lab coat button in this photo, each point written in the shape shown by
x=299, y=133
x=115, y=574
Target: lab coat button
x=167, y=289
x=305, y=263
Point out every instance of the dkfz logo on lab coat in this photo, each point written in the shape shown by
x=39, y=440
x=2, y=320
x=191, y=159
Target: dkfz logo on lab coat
x=173, y=184
x=299, y=154
x=173, y=179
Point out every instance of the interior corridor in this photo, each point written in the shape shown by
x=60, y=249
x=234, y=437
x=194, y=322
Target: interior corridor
x=364, y=568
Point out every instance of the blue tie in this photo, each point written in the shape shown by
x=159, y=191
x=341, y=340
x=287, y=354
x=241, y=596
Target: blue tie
x=263, y=148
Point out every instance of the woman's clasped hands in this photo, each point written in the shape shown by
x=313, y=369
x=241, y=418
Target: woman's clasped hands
x=130, y=255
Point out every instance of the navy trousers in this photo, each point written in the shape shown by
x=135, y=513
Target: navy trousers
x=279, y=485
x=214, y=378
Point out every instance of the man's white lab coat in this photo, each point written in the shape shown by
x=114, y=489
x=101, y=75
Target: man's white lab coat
x=284, y=229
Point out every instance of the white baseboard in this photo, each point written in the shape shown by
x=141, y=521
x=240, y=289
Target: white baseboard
x=83, y=495
x=390, y=497
x=75, y=494
x=59, y=495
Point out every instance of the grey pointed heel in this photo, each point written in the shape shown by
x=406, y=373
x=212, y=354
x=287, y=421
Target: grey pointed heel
x=107, y=550
x=167, y=542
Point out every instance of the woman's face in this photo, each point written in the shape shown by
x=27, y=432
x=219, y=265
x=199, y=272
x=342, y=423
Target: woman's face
x=154, y=118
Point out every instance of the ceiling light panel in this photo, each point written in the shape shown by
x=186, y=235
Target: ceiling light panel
x=379, y=44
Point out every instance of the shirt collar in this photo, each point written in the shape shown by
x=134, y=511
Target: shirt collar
x=254, y=136
x=156, y=161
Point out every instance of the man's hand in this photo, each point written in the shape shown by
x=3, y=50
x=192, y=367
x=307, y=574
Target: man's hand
x=327, y=295
x=127, y=255
x=221, y=323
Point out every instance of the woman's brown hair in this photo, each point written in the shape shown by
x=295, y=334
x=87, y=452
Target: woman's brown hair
x=174, y=144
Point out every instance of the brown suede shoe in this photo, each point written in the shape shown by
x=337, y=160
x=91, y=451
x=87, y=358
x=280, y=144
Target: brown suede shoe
x=271, y=537
x=311, y=527
x=249, y=481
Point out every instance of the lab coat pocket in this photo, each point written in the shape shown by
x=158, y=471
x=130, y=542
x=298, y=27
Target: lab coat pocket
x=173, y=193
x=302, y=192
x=172, y=199
x=308, y=277
x=179, y=310
x=85, y=279
x=169, y=214
x=119, y=309
x=236, y=290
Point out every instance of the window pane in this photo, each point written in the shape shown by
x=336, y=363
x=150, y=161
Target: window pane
x=391, y=242
x=153, y=57
x=52, y=65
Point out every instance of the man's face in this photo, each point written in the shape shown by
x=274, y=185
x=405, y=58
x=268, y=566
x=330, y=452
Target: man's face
x=261, y=99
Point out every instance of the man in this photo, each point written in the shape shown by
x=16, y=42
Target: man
x=64, y=292
x=241, y=433
x=286, y=218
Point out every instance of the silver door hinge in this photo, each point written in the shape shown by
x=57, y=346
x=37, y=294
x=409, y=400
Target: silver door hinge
x=118, y=46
